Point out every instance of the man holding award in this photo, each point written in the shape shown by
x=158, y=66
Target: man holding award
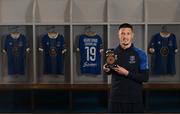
x=129, y=68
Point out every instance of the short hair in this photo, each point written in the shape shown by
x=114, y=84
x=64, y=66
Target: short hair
x=126, y=25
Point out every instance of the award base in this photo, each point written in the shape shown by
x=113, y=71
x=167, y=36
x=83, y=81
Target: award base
x=111, y=66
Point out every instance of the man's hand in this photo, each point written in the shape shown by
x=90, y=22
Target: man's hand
x=105, y=68
x=120, y=70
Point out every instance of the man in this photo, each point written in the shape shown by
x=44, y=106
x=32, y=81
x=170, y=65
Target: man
x=128, y=75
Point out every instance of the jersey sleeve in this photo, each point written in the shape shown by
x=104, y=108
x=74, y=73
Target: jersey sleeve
x=143, y=74
x=152, y=42
x=140, y=77
x=100, y=42
x=62, y=42
x=26, y=42
x=143, y=61
x=5, y=43
x=41, y=43
x=79, y=41
x=174, y=43
x=63, y=45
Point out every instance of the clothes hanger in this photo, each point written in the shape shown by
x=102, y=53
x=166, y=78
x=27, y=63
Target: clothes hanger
x=89, y=32
x=52, y=33
x=15, y=34
x=164, y=30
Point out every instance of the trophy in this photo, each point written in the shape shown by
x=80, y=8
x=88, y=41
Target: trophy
x=111, y=58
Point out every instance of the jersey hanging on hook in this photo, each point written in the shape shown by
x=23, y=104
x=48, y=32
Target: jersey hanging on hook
x=90, y=56
x=165, y=48
x=16, y=48
x=53, y=48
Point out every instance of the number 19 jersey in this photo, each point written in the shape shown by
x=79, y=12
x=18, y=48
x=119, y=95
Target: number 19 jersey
x=90, y=56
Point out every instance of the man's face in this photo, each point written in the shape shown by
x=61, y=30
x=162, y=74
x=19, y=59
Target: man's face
x=125, y=36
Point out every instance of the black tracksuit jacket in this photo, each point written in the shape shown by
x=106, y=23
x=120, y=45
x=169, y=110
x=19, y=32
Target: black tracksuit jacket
x=129, y=89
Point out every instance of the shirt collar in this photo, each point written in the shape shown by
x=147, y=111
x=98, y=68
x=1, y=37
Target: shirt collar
x=121, y=49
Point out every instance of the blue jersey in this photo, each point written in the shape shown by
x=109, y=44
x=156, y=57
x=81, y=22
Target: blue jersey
x=52, y=48
x=164, y=55
x=16, y=52
x=90, y=56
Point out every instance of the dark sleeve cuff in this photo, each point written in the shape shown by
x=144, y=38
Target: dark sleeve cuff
x=108, y=73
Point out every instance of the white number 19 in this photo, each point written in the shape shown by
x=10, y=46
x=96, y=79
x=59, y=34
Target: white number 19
x=91, y=53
